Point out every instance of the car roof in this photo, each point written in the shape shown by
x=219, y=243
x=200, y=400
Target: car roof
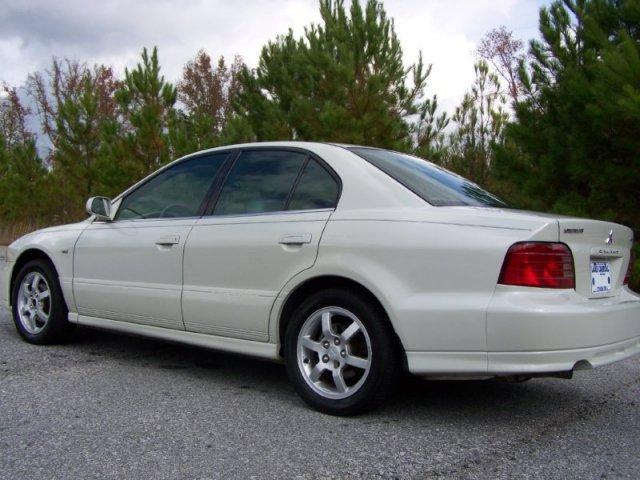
x=278, y=143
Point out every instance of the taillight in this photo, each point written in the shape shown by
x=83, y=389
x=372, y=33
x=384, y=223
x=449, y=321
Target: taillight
x=627, y=277
x=538, y=264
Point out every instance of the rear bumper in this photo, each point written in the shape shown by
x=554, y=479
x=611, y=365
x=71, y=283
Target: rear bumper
x=510, y=363
x=491, y=364
x=542, y=320
x=541, y=331
x=538, y=331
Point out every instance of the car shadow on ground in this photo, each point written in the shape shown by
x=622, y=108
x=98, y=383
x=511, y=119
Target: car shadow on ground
x=482, y=400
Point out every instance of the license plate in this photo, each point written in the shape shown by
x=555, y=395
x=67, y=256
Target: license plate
x=600, y=277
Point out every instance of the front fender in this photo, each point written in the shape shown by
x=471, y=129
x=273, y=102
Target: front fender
x=57, y=244
x=5, y=278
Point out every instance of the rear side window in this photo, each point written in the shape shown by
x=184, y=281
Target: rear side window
x=434, y=184
x=260, y=181
x=316, y=189
x=176, y=192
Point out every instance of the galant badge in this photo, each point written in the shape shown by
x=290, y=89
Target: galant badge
x=609, y=239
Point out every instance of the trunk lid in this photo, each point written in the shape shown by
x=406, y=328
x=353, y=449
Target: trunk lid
x=601, y=252
x=587, y=239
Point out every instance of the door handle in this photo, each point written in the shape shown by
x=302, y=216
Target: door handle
x=168, y=240
x=295, y=239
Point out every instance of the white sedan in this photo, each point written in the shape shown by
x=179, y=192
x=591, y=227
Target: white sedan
x=351, y=264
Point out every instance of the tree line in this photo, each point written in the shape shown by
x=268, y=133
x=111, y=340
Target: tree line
x=551, y=126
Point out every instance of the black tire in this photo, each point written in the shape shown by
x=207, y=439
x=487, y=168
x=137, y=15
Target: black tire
x=57, y=328
x=385, y=367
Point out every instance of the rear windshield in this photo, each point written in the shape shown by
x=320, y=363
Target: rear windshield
x=434, y=184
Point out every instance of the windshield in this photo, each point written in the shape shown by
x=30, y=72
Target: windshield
x=434, y=184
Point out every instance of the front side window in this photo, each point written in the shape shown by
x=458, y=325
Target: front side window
x=177, y=192
x=434, y=184
x=260, y=181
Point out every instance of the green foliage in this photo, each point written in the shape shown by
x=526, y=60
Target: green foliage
x=13, y=115
x=575, y=147
x=572, y=145
x=343, y=81
x=207, y=93
x=146, y=103
x=148, y=130
x=429, y=132
x=80, y=124
x=23, y=187
x=479, y=123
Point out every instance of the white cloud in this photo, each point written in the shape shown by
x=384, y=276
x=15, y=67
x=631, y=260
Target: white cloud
x=114, y=32
x=13, y=65
x=448, y=31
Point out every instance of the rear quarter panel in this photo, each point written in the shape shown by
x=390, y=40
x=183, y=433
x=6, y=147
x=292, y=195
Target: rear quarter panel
x=434, y=278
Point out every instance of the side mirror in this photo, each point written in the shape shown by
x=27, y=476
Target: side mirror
x=100, y=207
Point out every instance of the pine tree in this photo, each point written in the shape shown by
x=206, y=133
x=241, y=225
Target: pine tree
x=575, y=147
x=504, y=53
x=142, y=140
x=74, y=104
x=207, y=93
x=23, y=186
x=343, y=81
x=13, y=114
x=61, y=82
x=478, y=125
x=24, y=189
x=80, y=124
x=429, y=132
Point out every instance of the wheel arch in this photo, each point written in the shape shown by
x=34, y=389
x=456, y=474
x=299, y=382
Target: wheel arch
x=323, y=282
x=25, y=257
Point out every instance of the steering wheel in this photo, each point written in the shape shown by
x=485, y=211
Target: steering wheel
x=180, y=211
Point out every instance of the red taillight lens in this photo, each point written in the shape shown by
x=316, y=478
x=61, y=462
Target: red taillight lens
x=538, y=264
x=632, y=260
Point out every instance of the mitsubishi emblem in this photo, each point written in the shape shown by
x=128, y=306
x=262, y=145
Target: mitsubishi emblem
x=609, y=239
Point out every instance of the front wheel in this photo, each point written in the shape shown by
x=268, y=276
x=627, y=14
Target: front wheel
x=340, y=353
x=39, y=310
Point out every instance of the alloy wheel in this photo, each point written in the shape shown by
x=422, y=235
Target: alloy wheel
x=334, y=352
x=34, y=302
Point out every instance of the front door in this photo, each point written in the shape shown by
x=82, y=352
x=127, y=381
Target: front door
x=264, y=228
x=130, y=269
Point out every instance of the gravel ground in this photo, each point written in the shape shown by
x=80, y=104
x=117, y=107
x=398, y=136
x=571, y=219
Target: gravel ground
x=109, y=406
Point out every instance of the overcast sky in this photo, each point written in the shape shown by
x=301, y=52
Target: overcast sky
x=114, y=31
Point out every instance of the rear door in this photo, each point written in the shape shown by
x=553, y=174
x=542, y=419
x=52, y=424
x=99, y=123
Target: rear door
x=263, y=227
x=130, y=269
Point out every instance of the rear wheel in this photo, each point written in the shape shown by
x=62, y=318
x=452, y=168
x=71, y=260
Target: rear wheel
x=39, y=310
x=340, y=353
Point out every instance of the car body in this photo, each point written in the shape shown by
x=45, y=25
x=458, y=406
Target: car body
x=229, y=279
